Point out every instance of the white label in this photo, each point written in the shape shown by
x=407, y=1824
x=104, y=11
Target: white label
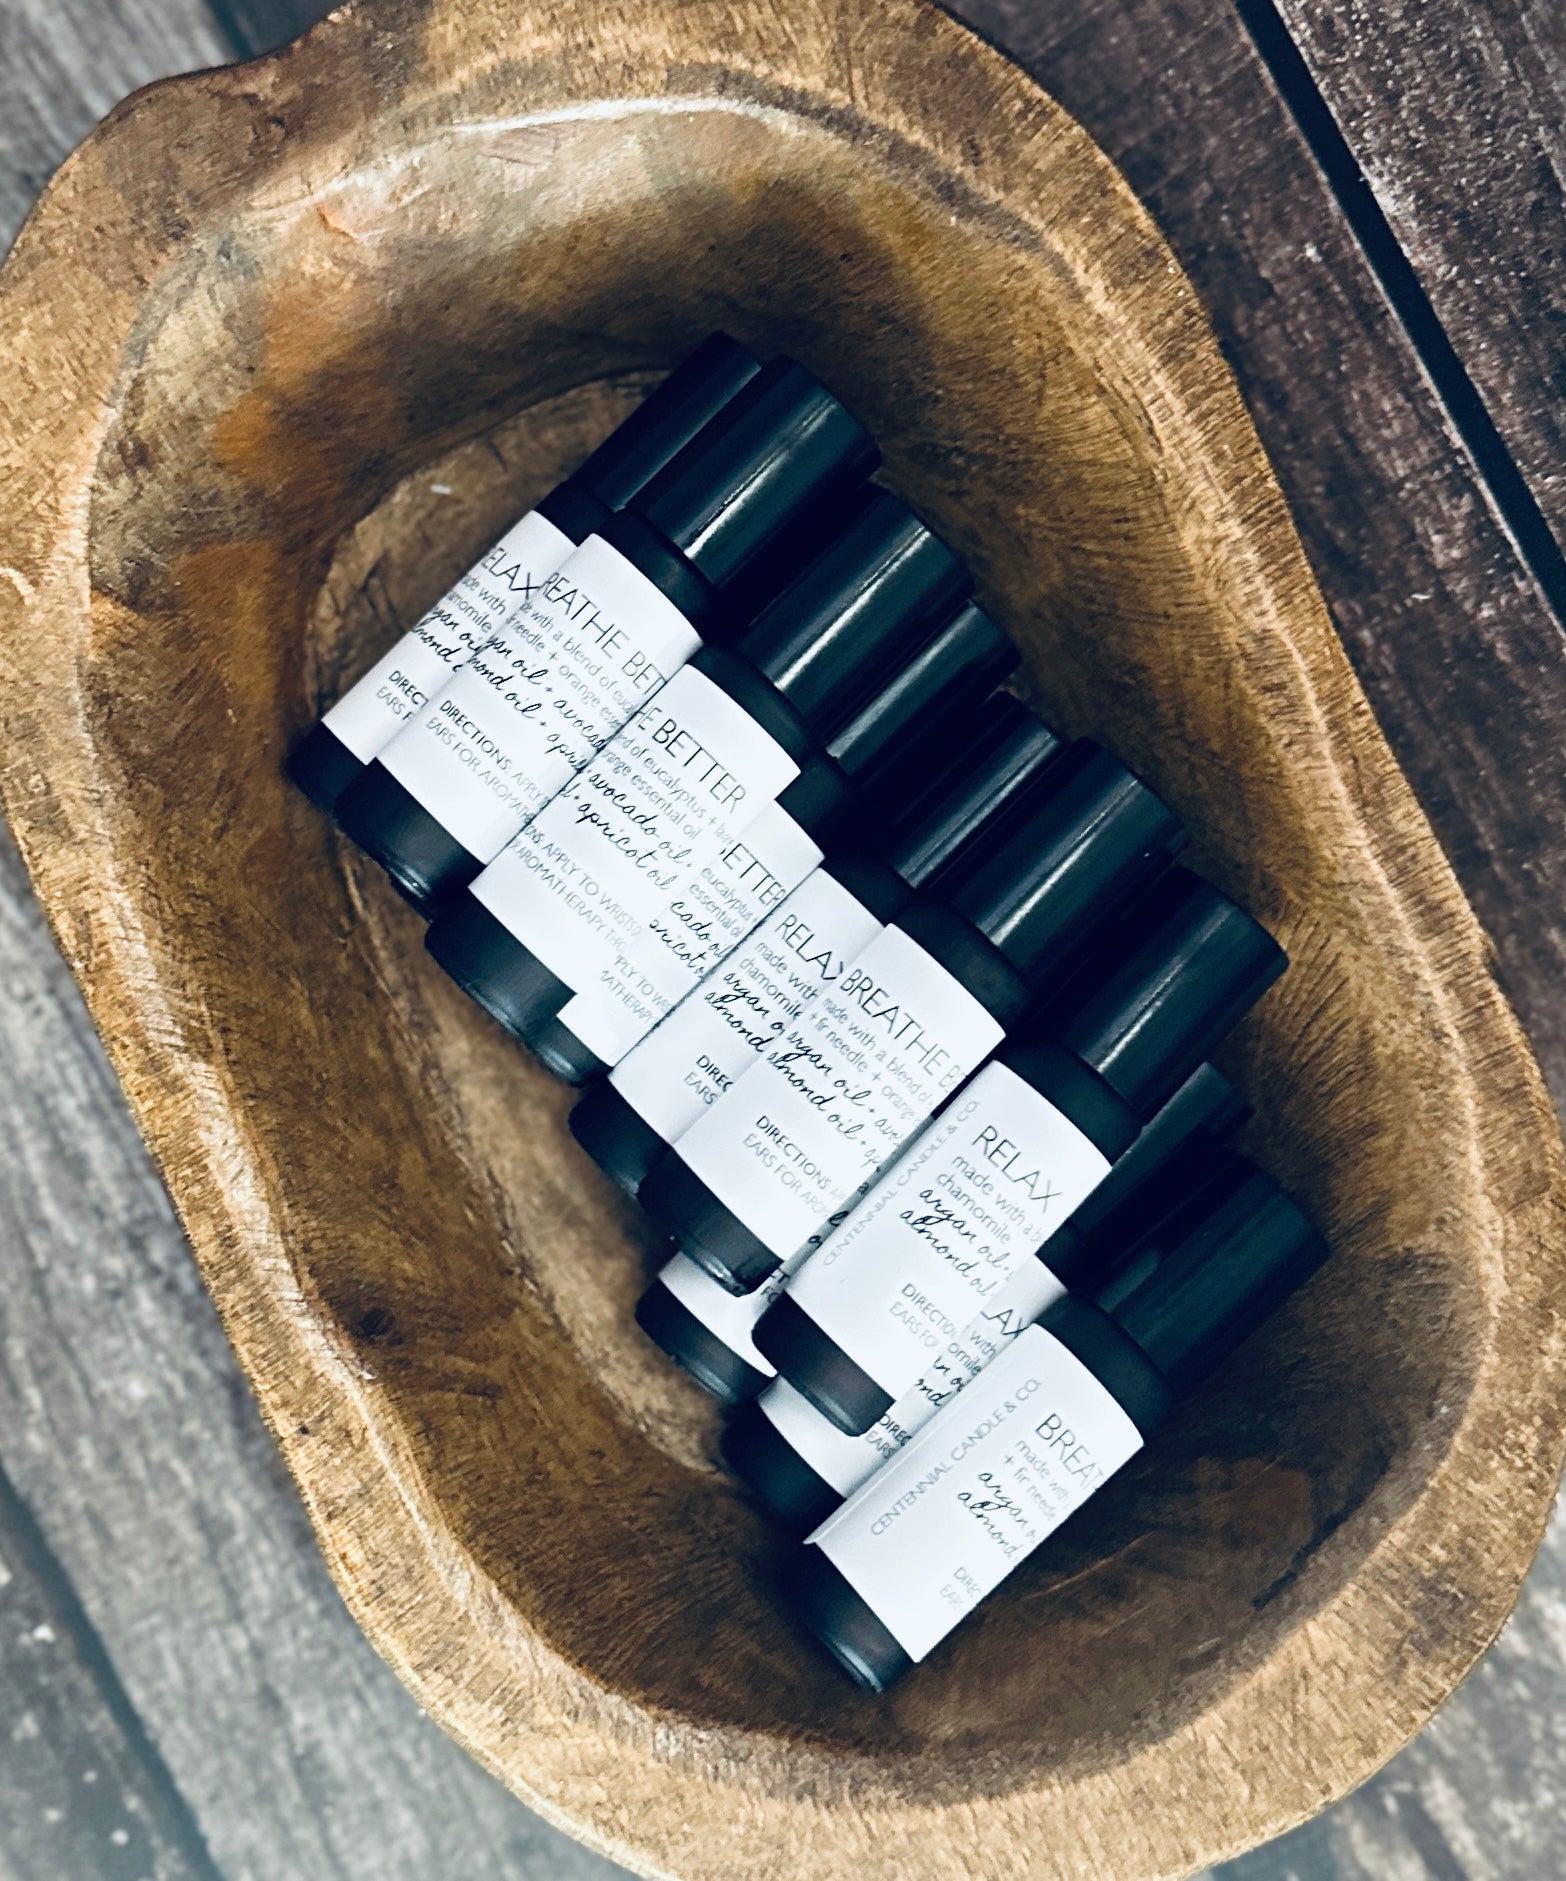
x=727, y=1316
x=983, y=1186
x=696, y=1054
x=845, y=1462
x=582, y=886
x=810, y=1127
x=976, y=1491
x=372, y=712
x=714, y=910
x=581, y=652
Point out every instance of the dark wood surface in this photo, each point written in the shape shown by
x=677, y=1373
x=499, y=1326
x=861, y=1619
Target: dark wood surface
x=165, y=1622
x=1457, y=117
x=1457, y=645
x=201, y=1660
x=1452, y=633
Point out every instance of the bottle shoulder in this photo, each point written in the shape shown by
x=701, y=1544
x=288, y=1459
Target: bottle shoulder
x=759, y=698
x=652, y=555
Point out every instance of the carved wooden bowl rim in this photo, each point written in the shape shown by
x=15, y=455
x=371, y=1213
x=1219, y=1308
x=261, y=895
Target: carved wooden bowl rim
x=1357, y=1676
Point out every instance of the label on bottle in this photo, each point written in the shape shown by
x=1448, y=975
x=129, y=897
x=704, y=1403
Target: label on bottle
x=372, y=712
x=711, y=1038
x=809, y=1128
x=976, y=1491
x=983, y=1186
x=582, y=651
x=845, y=1462
x=581, y=886
x=727, y=1316
x=713, y=911
x=840, y=1461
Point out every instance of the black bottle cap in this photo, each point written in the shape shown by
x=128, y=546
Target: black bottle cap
x=1190, y=1288
x=860, y=608
x=1206, y=1106
x=771, y=448
x=666, y=421
x=1162, y=1166
x=1001, y=751
x=1104, y=943
x=885, y=752
x=1161, y=1011
x=775, y=569
x=1033, y=891
x=957, y=667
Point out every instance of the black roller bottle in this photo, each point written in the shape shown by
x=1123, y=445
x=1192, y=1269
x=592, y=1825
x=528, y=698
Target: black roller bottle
x=858, y=774
x=764, y=987
x=763, y=1174
x=601, y=902
x=1072, y=1398
x=580, y=654
x=1019, y=1148
x=897, y=843
x=800, y=1467
x=371, y=713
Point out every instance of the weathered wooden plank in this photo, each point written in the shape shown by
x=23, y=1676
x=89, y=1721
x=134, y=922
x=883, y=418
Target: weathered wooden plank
x=1462, y=660
x=122, y=1414
x=1331, y=478
x=1461, y=655
x=1450, y=379
x=1457, y=117
x=125, y=1425
x=1478, y=1796
x=82, y=1791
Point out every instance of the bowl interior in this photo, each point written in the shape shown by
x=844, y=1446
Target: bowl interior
x=332, y=404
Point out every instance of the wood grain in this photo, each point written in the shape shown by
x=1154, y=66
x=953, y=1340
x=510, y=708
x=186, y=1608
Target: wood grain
x=82, y=1791
x=1460, y=656
x=1477, y=1797
x=226, y=1702
x=379, y=1192
x=1457, y=116
x=129, y=1430
x=1516, y=1761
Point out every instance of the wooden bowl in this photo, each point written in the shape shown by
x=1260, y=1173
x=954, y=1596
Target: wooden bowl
x=281, y=350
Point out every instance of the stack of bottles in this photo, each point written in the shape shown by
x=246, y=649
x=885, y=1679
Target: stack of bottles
x=896, y=1007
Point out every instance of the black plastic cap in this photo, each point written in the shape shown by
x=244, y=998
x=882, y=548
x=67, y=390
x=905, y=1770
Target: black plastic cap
x=1206, y=1108
x=1104, y=943
x=1199, y=1282
x=842, y=627
x=1079, y=1254
x=780, y=440
x=1160, y=1012
x=748, y=594
x=666, y=421
x=963, y=662
x=1004, y=750
x=1033, y=892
